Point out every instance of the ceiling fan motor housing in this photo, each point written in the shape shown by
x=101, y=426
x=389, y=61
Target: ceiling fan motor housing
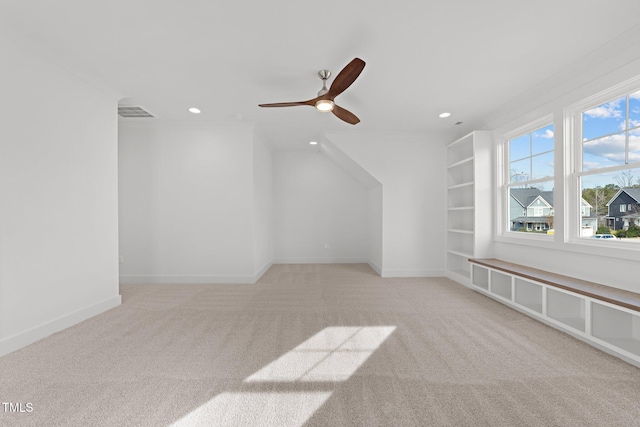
x=324, y=75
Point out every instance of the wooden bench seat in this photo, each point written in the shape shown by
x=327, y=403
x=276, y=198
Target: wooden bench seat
x=620, y=297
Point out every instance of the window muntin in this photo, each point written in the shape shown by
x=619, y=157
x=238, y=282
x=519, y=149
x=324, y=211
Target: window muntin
x=611, y=133
x=531, y=155
x=529, y=159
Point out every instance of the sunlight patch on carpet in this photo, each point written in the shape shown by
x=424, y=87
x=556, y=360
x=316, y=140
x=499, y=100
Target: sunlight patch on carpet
x=332, y=355
x=278, y=409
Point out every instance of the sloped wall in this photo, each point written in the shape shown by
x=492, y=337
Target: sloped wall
x=410, y=168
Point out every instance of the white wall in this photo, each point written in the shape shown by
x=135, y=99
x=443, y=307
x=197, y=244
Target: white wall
x=374, y=230
x=316, y=203
x=187, y=202
x=410, y=168
x=263, y=206
x=607, y=66
x=58, y=193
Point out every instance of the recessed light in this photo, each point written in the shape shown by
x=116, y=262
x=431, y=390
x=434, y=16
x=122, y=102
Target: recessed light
x=194, y=110
x=313, y=143
x=444, y=115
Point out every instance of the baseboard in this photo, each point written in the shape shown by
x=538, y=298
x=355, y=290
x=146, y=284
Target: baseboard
x=375, y=267
x=261, y=271
x=463, y=280
x=187, y=280
x=312, y=260
x=412, y=273
x=23, y=339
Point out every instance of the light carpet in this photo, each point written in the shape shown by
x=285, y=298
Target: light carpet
x=316, y=345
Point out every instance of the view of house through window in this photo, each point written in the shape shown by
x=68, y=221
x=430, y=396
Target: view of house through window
x=530, y=181
x=610, y=172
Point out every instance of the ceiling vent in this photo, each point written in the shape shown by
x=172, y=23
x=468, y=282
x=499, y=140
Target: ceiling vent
x=133, y=111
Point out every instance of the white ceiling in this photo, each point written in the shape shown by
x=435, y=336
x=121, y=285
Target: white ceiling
x=468, y=57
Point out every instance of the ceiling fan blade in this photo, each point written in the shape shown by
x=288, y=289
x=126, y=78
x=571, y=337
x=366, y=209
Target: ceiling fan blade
x=345, y=78
x=345, y=115
x=288, y=104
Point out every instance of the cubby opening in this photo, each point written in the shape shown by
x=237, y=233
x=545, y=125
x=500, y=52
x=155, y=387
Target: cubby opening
x=458, y=264
x=566, y=308
x=480, y=277
x=459, y=152
x=460, y=175
x=461, y=219
x=618, y=328
x=501, y=284
x=461, y=243
x=528, y=295
x=461, y=197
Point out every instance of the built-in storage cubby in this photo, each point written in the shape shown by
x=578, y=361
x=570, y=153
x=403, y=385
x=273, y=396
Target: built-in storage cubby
x=460, y=243
x=620, y=328
x=460, y=220
x=501, y=284
x=468, y=216
x=480, y=277
x=587, y=311
x=528, y=294
x=566, y=308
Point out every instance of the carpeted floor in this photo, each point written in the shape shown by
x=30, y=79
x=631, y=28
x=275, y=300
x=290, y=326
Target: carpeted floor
x=316, y=345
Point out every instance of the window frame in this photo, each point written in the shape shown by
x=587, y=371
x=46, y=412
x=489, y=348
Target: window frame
x=573, y=154
x=503, y=175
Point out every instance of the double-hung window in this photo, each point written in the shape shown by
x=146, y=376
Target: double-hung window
x=528, y=178
x=605, y=132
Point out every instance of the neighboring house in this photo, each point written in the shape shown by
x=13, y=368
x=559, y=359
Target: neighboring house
x=624, y=208
x=588, y=222
x=531, y=209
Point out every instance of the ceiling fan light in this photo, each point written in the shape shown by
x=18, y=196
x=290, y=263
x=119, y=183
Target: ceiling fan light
x=324, y=105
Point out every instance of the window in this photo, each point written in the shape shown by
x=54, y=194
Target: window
x=606, y=163
x=528, y=178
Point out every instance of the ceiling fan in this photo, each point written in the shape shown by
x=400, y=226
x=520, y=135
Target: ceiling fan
x=324, y=100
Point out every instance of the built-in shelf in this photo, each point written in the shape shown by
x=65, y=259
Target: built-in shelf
x=468, y=227
x=461, y=162
x=464, y=184
x=452, y=230
x=606, y=325
x=458, y=253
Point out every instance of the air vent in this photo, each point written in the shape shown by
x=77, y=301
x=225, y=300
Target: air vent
x=133, y=111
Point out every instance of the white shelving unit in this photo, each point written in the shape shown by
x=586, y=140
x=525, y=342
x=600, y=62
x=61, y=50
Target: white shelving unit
x=468, y=202
x=612, y=328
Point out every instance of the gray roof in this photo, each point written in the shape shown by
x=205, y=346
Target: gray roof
x=526, y=196
x=633, y=192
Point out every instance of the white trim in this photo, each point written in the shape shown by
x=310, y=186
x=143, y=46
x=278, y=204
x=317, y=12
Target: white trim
x=23, y=339
x=413, y=273
x=375, y=267
x=503, y=174
x=317, y=260
x=573, y=170
x=258, y=274
x=186, y=280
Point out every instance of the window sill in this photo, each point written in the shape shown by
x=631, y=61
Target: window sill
x=614, y=249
